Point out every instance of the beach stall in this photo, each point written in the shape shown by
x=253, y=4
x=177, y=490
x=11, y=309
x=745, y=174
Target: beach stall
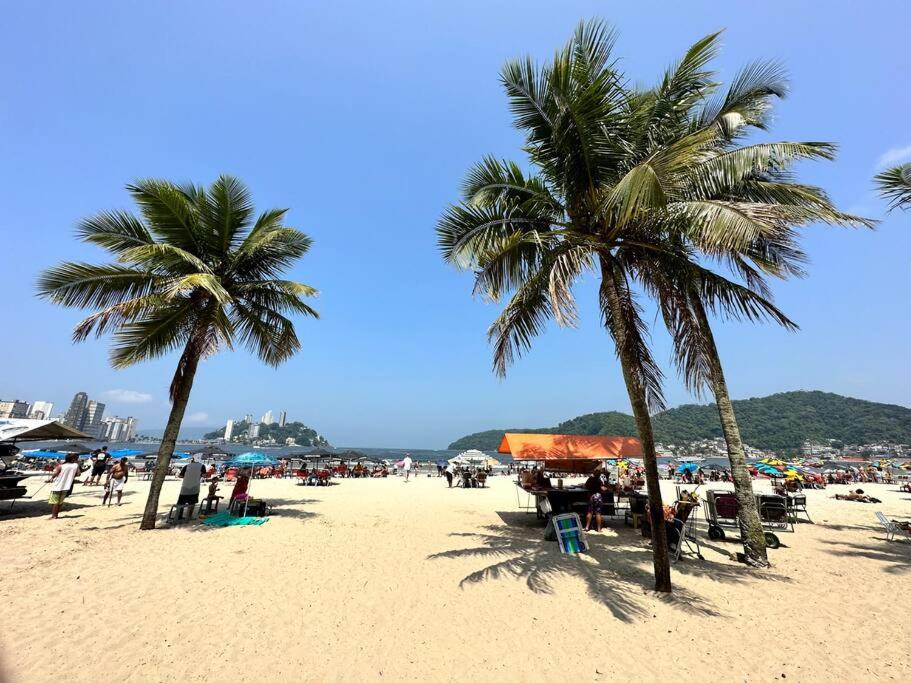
x=564, y=453
x=13, y=430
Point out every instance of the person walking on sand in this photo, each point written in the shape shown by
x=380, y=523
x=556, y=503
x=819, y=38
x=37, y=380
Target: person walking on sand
x=406, y=466
x=99, y=462
x=449, y=471
x=62, y=482
x=117, y=477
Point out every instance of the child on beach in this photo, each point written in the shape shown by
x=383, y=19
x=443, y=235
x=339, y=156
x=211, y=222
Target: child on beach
x=213, y=490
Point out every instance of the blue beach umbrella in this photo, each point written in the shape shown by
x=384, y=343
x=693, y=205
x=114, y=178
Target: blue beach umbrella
x=687, y=467
x=768, y=470
x=250, y=460
x=44, y=455
x=124, y=452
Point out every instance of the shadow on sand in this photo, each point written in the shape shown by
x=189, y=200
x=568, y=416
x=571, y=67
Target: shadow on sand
x=614, y=571
x=288, y=508
x=895, y=555
x=25, y=508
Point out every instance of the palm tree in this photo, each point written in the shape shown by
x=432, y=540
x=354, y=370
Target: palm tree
x=640, y=187
x=895, y=185
x=534, y=235
x=750, y=190
x=196, y=272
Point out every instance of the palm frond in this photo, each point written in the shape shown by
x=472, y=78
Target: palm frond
x=747, y=101
x=164, y=259
x=115, y=231
x=168, y=212
x=266, y=333
x=82, y=285
x=153, y=335
x=231, y=211
x=894, y=185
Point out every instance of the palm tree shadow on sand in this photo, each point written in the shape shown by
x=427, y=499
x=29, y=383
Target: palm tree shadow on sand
x=613, y=572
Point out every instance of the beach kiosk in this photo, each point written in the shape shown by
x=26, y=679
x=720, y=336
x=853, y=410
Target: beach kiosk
x=564, y=453
x=15, y=430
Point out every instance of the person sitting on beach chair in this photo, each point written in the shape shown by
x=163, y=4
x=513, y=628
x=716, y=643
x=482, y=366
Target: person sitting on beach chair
x=240, y=486
x=213, y=490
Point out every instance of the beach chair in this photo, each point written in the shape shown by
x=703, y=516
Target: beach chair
x=685, y=530
x=892, y=528
x=797, y=505
x=176, y=513
x=482, y=479
x=569, y=533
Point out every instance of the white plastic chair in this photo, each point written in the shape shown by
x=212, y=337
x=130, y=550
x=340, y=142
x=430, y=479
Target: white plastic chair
x=892, y=528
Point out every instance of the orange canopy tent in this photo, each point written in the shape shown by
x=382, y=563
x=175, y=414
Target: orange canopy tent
x=569, y=452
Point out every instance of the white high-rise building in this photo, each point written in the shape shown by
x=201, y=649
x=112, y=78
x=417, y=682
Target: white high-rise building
x=282, y=418
x=248, y=418
x=41, y=410
x=118, y=428
x=229, y=430
x=267, y=418
x=254, y=432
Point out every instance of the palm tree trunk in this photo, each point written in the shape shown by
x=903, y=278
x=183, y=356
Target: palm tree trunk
x=180, y=395
x=639, y=405
x=750, y=527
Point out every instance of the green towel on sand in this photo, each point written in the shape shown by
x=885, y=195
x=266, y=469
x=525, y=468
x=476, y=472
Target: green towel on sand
x=225, y=518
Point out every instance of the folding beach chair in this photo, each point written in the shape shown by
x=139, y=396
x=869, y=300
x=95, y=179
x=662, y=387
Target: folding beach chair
x=797, y=505
x=685, y=526
x=892, y=528
x=570, y=534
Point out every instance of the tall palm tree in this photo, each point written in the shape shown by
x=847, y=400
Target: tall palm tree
x=639, y=187
x=534, y=235
x=749, y=189
x=895, y=185
x=196, y=272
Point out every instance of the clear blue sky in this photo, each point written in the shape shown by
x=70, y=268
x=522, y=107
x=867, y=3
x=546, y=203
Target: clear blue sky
x=362, y=117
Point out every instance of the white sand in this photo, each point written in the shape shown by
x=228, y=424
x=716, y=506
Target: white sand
x=383, y=580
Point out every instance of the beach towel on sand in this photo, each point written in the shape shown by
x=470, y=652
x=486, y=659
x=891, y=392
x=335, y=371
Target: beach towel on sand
x=570, y=534
x=225, y=518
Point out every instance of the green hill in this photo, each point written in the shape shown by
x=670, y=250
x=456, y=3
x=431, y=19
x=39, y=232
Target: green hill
x=778, y=422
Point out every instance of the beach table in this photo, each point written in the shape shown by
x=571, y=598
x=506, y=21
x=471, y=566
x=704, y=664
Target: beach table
x=563, y=500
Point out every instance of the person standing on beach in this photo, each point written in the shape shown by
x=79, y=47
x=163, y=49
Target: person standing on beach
x=449, y=471
x=99, y=461
x=63, y=477
x=596, y=488
x=192, y=475
x=117, y=477
x=406, y=465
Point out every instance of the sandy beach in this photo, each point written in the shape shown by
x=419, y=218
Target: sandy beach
x=387, y=580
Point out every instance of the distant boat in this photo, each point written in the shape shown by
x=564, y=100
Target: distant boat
x=690, y=458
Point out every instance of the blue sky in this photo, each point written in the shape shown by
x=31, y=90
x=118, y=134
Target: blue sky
x=362, y=118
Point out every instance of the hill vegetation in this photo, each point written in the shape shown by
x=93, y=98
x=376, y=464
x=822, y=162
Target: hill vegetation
x=779, y=422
